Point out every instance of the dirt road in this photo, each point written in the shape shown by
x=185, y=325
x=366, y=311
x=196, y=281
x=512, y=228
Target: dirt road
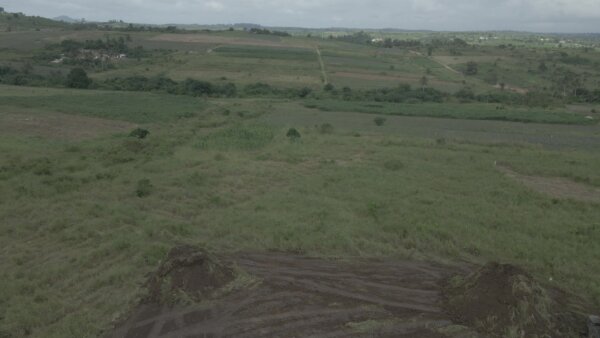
x=298, y=296
x=438, y=62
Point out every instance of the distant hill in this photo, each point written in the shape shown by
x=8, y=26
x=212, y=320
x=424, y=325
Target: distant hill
x=20, y=22
x=67, y=19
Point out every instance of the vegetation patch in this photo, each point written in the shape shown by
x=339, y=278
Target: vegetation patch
x=239, y=136
x=473, y=111
x=293, y=134
x=262, y=52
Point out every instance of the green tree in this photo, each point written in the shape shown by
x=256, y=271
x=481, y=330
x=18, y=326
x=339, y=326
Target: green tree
x=78, y=78
x=472, y=68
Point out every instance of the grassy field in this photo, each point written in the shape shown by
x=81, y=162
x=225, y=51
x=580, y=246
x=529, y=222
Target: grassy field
x=550, y=136
x=83, y=221
x=87, y=210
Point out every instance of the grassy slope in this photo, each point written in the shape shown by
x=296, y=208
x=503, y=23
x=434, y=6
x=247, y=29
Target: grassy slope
x=77, y=241
x=17, y=21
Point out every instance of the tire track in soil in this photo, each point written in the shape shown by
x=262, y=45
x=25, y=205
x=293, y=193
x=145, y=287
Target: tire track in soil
x=307, y=297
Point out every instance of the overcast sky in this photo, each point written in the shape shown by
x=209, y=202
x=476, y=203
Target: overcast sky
x=528, y=15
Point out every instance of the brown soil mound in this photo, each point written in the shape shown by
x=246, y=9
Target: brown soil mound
x=188, y=273
x=503, y=300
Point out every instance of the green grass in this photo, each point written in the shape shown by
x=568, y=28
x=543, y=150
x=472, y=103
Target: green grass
x=22, y=22
x=82, y=223
x=496, y=133
x=78, y=238
x=238, y=137
x=476, y=111
x=261, y=52
x=127, y=106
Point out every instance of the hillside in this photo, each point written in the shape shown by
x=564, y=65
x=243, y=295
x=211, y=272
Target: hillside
x=20, y=22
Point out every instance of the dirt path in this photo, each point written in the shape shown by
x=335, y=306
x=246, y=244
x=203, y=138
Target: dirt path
x=438, y=62
x=323, y=71
x=305, y=297
x=554, y=186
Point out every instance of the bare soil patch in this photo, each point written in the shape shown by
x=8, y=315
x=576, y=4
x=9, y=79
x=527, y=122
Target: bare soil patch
x=297, y=296
x=557, y=187
x=59, y=126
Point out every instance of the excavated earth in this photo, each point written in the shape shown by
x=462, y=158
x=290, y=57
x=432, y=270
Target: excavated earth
x=288, y=295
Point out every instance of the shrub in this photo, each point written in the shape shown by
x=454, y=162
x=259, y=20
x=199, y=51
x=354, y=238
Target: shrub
x=304, y=92
x=144, y=188
x=379, y=121
x=139, y=133
x=293, y=134
x=78, y=78
x=466, y=94
x=328, y=87
x=258, y=89
x=326, y=128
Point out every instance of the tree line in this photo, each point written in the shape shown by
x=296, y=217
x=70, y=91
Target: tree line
x=403, y=93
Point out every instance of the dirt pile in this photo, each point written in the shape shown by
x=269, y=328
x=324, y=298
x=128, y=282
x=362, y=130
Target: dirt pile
x=188, y=274
x=504, y=300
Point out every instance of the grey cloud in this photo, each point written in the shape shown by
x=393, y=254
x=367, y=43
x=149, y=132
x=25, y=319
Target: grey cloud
x=532, y=15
